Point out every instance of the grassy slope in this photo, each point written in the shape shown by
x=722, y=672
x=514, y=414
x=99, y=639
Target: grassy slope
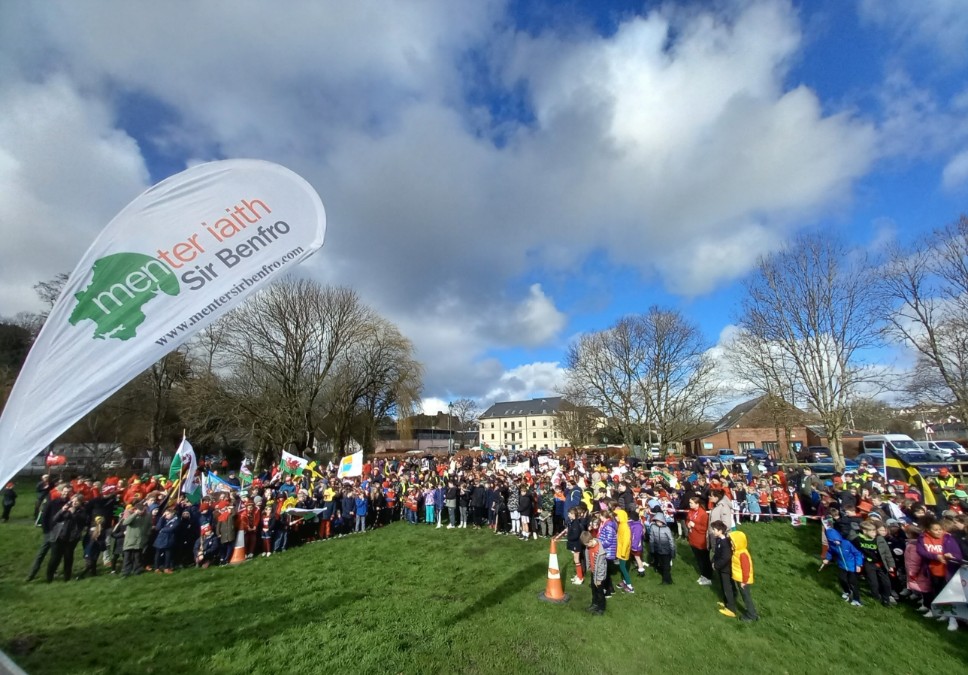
x=411, y=599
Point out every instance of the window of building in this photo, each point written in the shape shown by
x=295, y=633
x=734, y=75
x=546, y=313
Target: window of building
x=746, y=446
x=492, y=437
x=534, y=434
x=770, y=446
x=546, y=434
x=492, y=425
x=505, y=425
x=521, y=436
x=544, y=423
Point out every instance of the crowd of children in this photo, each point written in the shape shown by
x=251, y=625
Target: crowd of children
x=620, y=518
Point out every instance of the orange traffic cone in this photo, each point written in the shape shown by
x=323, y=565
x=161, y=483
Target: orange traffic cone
x=238, y=553
x=553, y=591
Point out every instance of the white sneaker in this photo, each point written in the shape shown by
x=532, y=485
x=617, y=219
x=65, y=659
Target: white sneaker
x=845, y=596
x=942, y=618
x=703, y=581
x=439, y=526
x=929, y=615
x=923, y=609
x=450, y=527
x=952, y=623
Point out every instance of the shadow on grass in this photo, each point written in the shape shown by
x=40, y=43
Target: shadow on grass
x=808, y=540
x=513, y=584
x=169, y=641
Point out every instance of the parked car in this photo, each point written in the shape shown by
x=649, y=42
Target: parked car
x=759, y=454
x=903, y=446
x=873, y=459
x=943, y=451
x=821, y=460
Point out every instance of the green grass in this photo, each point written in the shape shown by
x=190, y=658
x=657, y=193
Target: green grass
x=414, y=600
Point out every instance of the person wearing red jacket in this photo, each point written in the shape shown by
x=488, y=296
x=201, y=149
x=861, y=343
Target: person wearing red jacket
x=697, y=522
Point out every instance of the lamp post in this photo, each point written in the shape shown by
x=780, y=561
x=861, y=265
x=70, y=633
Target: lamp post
x=450, y=431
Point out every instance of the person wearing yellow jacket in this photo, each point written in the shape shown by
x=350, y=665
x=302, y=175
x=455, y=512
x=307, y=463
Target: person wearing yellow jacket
x=624, y=548
x=742, y=564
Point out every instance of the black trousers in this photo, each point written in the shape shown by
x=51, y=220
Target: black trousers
x=748, y=601
x=878, y=581
x=607, y=585
x=61, y=551
x=131, y=562
x=598, y=596
x=849, y=583
x=702, y=562
x=39, y=558
x=6, y=512
x=663, y=563
x=729, y=591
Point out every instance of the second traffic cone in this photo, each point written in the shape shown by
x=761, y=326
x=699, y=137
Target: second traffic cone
x=238, y=553
x=553, y=591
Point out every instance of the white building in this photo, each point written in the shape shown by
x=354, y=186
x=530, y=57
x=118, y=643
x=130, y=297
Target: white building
x=522, y=425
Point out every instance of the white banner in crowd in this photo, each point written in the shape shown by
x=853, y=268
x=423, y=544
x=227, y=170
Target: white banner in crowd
x=351, y=465
x=174, y=260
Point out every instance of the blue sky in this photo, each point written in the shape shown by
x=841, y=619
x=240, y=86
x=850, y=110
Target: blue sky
x=499, y=176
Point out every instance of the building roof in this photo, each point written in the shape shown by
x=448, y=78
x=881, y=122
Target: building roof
x=755, y=413
x=536, y=406
x=732, y=418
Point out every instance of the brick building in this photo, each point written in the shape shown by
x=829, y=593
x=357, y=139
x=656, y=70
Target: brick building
x=755, y=424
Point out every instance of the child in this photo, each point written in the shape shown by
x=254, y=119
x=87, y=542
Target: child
x=429, y=495
x=850, y=562
x=663, y=546
x=878, y=560
x=697, y=521
x=97, y=534
x=742, y=568
x=608, y=536
x=918, y=582
x=941, y=555
x=165, y=540
x=722, y=563
x=575, y=529
x=136, y=525
x=637, y=531
x=598, y=570
x=206, y=547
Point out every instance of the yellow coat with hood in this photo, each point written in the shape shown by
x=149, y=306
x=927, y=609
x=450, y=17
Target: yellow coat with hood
x=624, y=535
x=742, y=560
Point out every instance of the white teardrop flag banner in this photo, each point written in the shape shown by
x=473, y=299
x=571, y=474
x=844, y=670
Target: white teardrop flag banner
x=174, y=260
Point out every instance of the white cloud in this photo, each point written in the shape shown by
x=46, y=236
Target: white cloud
x=937, y=25
x=65, y=170
x=955, y=174
x=672, y=146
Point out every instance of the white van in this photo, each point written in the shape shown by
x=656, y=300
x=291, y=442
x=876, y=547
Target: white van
x=902, y=445
x=943, y=451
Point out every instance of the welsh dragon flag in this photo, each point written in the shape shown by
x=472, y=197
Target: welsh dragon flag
x=292, y=464
x=245, y=473
x=184, y=464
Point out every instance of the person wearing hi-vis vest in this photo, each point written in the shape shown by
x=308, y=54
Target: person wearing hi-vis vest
x=946, y=481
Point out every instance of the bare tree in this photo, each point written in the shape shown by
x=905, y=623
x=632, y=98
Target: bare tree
x=466, y=411
x=648, y=372
x=764, y=367
x=577, y=420
x=813, y=304
x=281, y=347
x=605, y=369
x=680, y=384
x=925, y=292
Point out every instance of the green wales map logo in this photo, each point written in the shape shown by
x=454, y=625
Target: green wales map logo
x=122, y=284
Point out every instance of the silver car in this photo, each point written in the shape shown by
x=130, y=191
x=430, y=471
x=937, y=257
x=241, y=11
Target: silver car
x=943, y=451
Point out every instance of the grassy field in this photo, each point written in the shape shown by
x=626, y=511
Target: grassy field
x=414, y=599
